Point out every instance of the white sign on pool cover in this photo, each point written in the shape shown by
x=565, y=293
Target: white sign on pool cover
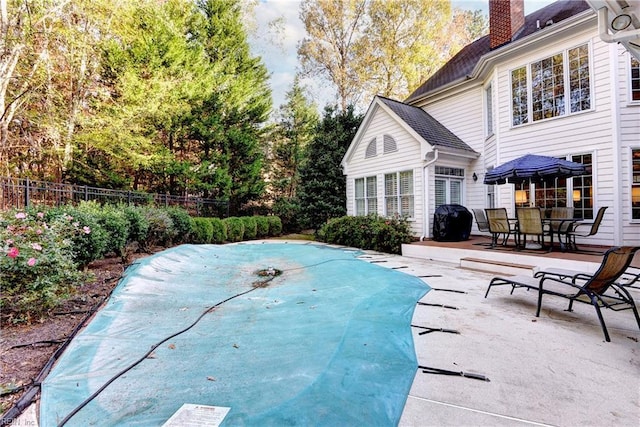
x=190, y=415
x=280, y=333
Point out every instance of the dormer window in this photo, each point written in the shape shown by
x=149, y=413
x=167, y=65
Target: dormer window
x=372, y=150
x=389, y=144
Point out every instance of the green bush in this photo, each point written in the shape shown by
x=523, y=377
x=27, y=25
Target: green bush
x=138, y=223
x=182, y=224
x=88, y=237
x=235, y=229
x=262, y=226
x=113, y=221
x=37, y=268
x=202, y=230
x=250, y=227
x=219, y=230
x=367, y=232
x=275, y=225
x=289, y=213
x=161, y=229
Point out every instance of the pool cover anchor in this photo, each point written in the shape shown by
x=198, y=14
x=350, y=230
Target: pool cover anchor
x=428, y=330
x=439, y=371
x=438, y=305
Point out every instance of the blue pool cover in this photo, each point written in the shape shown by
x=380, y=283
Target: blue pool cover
x=327, y=342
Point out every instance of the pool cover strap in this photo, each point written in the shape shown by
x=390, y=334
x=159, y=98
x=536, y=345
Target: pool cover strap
x=438, y=371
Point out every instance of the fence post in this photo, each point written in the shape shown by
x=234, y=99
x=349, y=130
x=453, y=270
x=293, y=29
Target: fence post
x=86, y=193
x=27, y=193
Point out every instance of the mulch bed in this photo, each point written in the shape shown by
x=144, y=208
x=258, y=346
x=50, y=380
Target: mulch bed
x=25, y=349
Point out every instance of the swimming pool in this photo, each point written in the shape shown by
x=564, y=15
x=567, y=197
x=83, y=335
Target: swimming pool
x=326, y=342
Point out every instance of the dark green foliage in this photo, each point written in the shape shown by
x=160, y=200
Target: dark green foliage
x=182, y=223
x=161, y=229
x=262, y=226
x=250, y=227
x=275, y=225
x=113, y=221
x=202, y=230
x=322, y=193
x=235, y=228
x=138, y=223
x=288, y=210
x=367, y=232
x=219, y=230
x=87, y=244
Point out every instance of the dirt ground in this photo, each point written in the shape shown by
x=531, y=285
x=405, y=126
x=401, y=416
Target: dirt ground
x=26, y=349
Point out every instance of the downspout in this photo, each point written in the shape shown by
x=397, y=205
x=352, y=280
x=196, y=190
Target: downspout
x=615, y=119
x=425, y=192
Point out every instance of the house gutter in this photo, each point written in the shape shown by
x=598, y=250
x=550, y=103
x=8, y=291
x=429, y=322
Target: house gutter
x=425, y=199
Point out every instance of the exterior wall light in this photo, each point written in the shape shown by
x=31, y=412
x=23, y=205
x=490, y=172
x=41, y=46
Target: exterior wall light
x=474, y=176
x=621, y=22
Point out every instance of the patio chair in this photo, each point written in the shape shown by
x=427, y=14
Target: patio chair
x=577, y=229
x=599, y=289
x=530, y=224
x=499, y=225
x=481, y=220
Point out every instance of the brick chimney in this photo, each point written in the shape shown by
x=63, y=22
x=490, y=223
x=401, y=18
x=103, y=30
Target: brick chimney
x=506, y=17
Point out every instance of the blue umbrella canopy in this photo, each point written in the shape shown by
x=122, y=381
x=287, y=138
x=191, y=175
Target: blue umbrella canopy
x=532, y=167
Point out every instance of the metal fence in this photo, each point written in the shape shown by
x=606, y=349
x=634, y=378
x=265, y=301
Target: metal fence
x=22, y=193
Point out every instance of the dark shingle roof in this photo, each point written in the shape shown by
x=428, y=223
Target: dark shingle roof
x=426, y=126
x=462, y=64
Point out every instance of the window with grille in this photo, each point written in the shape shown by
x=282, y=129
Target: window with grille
x=366, y=197
x=398, y=194
x=634, y=82
x=583, y=188
x=635, y=185
x=489, y=109
x=389, y=144
x=448, y=185
x=372, y=150
x=551, y=87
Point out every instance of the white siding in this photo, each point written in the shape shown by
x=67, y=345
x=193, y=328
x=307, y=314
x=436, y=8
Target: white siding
x=407, y=157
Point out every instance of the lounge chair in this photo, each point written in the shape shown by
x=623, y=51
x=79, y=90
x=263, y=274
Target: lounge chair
x=578, y=229
x=599, y=289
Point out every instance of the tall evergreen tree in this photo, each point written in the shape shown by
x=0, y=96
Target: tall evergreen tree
x=322, y=193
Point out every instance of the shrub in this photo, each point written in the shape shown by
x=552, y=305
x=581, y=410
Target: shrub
x=113, y=221
x=138, y=223
x=289, y=213
x=262, y=226
x=275, y=225
x=37, y=268
x=202, y=231
x=88, y=237
x=235, y=228
x=367, y=232
x=219, y=230
x=182, y=224
x=161, y=229
x=250, y=227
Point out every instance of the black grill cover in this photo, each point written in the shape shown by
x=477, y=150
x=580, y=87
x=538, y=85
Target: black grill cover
x=451, y=223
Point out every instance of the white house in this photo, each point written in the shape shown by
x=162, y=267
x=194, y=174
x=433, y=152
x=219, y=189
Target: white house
x=544, y=84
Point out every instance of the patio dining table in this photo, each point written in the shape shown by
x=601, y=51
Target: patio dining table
x=564, y=225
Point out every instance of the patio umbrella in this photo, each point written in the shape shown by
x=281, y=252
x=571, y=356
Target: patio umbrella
x=532, y=167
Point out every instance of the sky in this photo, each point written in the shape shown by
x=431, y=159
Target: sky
x=282, y=61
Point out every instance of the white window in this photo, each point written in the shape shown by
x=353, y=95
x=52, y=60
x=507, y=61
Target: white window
x=448, y=183
x=489, y=109
x=555, y=86
x=634, y=80
x=366, y=196
x=398, y=194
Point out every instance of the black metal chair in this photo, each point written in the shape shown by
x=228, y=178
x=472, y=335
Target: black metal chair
x=600, y=289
